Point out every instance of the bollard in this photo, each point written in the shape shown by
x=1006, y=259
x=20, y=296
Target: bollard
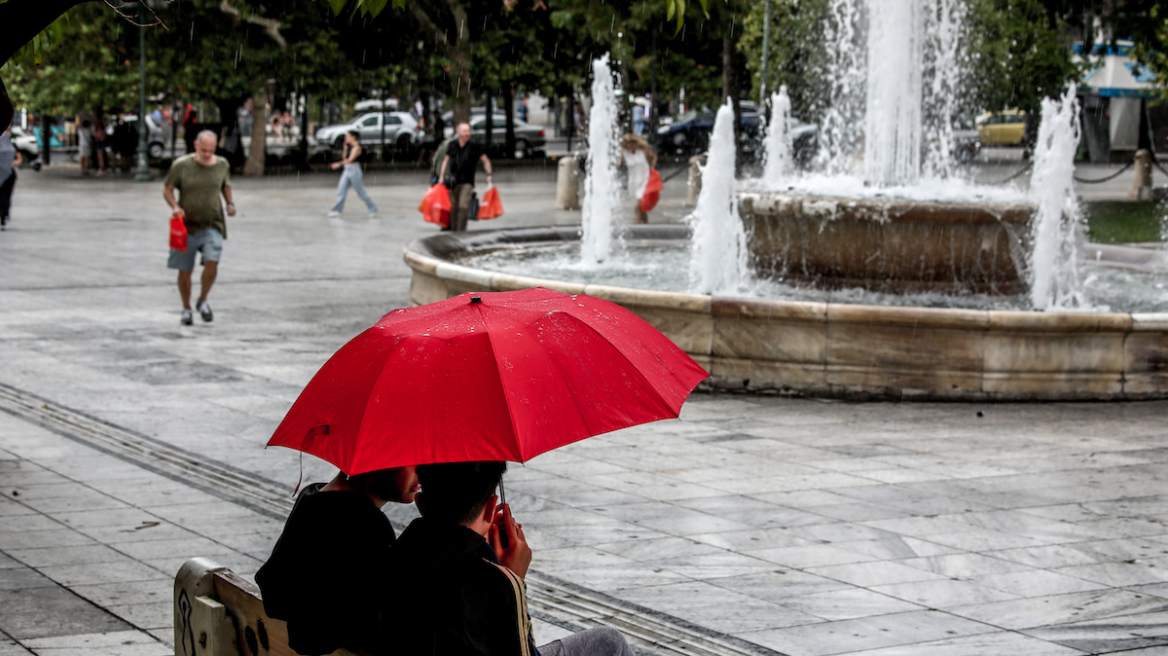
x=1142, y=185
x=695, y=179
x=568, y=184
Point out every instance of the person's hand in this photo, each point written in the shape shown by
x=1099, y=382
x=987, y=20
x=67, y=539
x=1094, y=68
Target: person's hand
x=490, y=178
x=230, y=209
x=335, y=165
x=176, y=211
x=517, y=555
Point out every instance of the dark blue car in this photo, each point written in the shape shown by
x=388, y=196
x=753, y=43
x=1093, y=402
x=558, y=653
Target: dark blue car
x=690, y=133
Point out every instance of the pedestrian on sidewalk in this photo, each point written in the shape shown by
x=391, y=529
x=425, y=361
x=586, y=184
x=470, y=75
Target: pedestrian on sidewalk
x=84, y=143
x=462, y=157
x=351, y=176
x=200, y=179
x=639, y=159
x=10, y=158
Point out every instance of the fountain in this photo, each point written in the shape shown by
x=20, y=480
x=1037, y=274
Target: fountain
x=899, y=280
x=601, y=201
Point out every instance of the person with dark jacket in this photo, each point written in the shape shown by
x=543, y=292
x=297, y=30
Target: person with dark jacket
x=463, y=591
x=328, y=575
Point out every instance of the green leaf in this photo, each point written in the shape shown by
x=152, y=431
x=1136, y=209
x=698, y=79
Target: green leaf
x=337, y=5
x=680, y=13
x=669, y=9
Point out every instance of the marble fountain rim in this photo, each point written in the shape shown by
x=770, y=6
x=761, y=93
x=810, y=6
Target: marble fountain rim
x=803, y=347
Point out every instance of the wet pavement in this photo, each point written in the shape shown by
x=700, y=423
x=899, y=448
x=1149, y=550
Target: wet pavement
x=756, y=524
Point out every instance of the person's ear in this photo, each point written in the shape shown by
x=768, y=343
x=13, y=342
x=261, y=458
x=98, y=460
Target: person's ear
x=489, y=509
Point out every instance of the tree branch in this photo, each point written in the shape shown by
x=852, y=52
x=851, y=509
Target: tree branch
x=423, y=17
x=270, y=25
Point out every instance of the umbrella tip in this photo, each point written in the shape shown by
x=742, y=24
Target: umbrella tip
x=476, y=299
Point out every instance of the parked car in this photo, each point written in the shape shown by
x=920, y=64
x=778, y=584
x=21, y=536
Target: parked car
x=26, y=144
x=448, y=118
x=156, y=147
x=690, y=133
x=1006, y=128
x=528, y=138
x=966, y=140
x=401, y=130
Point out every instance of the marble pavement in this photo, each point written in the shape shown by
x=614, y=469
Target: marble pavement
x=792, y=526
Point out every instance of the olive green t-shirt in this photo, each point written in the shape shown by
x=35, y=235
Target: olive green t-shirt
x=198, y=192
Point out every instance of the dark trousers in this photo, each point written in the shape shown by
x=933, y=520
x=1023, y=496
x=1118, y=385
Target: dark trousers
x=460, y=206
x=6, y=195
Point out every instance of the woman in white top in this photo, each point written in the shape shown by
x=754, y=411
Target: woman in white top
x=639, y=158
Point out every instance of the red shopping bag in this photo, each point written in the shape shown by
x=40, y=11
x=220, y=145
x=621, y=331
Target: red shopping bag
x=178, y=233
x=491, y=207
x=435, y=207
x=652, y=191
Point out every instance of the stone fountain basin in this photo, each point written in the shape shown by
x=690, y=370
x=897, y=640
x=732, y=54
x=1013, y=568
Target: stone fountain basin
x=842, y=350
x=888, y=245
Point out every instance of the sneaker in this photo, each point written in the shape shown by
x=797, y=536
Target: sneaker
x=334, y=214
x=373, y=215
x=187, y=317
x=205, y=310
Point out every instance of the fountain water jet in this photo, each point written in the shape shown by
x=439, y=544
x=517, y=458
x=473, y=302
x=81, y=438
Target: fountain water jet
x=719, y=241
x=1054, y=263
x=778, y=152
x=601, y=192
x=892, y=127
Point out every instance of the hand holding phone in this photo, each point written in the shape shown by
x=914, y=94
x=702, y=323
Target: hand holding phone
x=514, y=554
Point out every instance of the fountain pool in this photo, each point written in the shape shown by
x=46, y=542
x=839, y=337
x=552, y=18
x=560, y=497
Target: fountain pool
x=830, y=345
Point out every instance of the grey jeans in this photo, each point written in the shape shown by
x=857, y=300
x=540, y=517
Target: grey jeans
x=599, y=641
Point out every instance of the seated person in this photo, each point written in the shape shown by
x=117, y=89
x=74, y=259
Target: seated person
x=467, y=595
x=327, y=575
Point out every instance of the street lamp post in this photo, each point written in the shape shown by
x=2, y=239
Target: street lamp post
x=766, y=53
x=143, y=130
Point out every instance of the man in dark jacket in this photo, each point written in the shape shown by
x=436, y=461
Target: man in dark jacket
x=466, y=595
x=327, y=575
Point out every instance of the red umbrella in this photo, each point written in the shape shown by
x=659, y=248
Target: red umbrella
x=487, y=376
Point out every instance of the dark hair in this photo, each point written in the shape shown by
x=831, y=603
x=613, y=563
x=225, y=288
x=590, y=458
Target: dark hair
x=382, y=483
x=458, y=491
x=356, y=134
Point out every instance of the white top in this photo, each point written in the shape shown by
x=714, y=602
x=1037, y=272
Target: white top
x=84, y=140
x=638, y=167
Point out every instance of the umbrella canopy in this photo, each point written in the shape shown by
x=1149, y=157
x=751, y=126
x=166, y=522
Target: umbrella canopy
x=487, y=376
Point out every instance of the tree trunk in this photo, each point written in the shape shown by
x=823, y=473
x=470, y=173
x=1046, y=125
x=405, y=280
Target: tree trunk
x=730, y=90
x=509, y=108
x=489, y=122
x=259, y=141
x=459, y=51
x=570, y=116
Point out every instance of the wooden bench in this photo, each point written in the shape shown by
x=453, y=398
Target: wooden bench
x=219, y=613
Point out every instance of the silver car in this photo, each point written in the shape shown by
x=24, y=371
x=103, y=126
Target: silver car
x=528, y=138
x=401, y=130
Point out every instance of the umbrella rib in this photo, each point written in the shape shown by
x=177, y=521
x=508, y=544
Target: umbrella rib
x=490, y=330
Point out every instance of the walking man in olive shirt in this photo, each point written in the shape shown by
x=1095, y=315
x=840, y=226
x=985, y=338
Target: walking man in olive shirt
x=200, y=178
